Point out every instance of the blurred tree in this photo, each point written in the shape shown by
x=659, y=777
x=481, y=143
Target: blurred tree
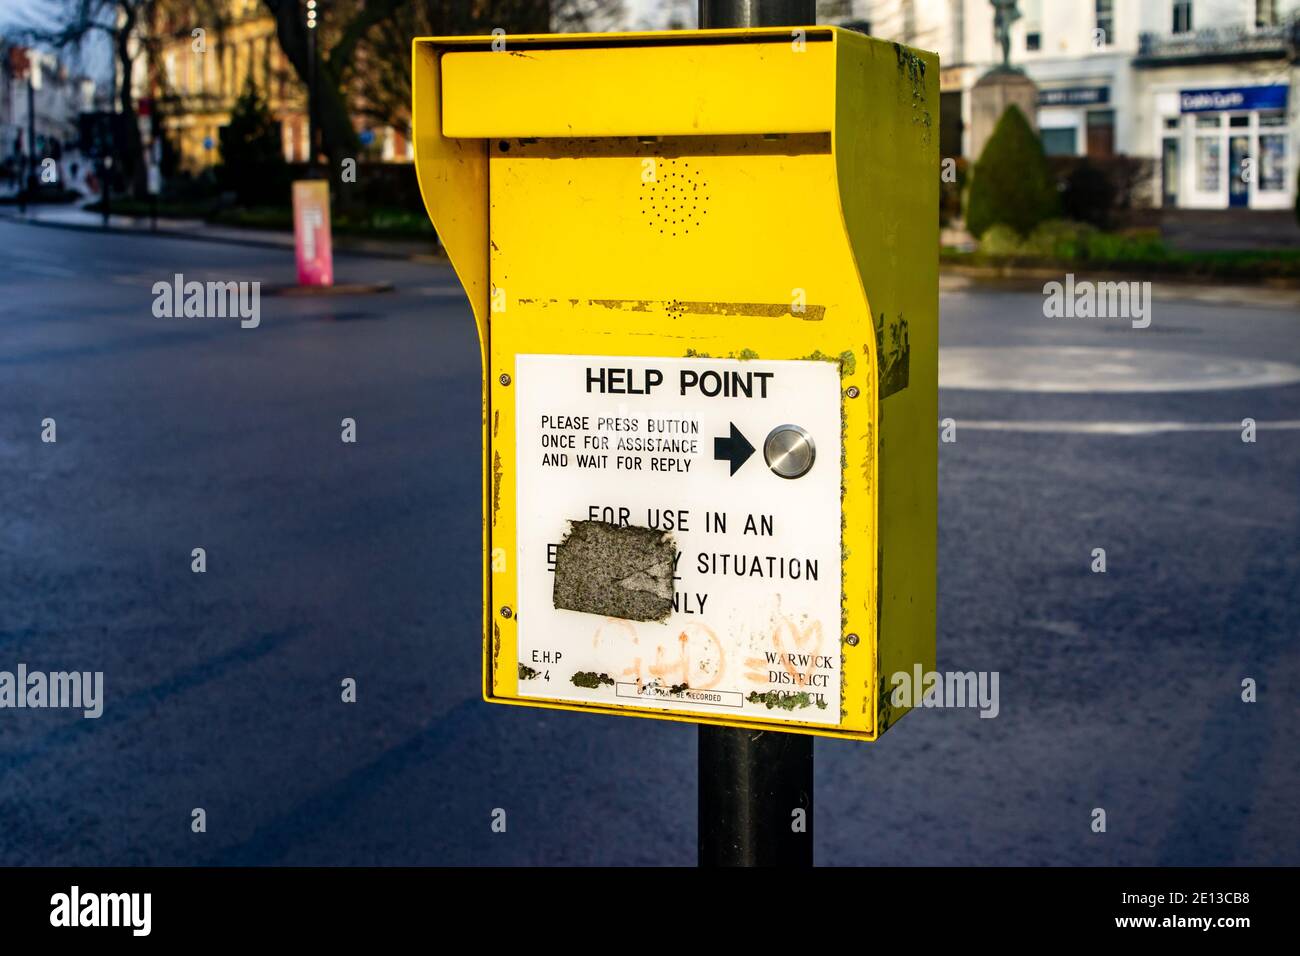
x=364, y=49
x=381, y=80
x=676, y=14
x=342, y=24
x=1088, y=195
x=252, y=160
x=587, y=16
x=81, y=22
x=131, y=28
x=1011, y=183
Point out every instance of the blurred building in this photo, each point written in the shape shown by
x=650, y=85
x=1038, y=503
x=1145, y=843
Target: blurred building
x=36, y=89
x=1213, y=103
x=1201, y=87
x=192, y=81
x=193, y=85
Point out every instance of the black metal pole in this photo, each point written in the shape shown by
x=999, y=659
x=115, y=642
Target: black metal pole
x=311, y=101
x=755, y=798
x=757, y=13
x=29, y=166
x=153, y=156
x=755, y=786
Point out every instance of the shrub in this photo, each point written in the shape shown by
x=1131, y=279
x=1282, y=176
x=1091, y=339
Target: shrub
x=1059, y=239
x=188, y=187
x=1133, y=178
x=1011, y=183
x=1000, y=240
x=1136, y=246
x=1088, y=196
x=1063, y=240
x=1095, y=189
x=252, y=157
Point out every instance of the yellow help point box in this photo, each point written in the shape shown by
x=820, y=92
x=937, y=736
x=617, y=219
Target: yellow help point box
x=703, y=267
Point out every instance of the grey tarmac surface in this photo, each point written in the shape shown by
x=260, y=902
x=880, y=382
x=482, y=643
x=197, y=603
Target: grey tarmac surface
x=325, y=561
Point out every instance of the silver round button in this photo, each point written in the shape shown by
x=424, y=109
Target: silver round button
x=789, y=451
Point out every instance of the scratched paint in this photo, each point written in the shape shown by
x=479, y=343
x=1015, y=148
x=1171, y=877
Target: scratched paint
x=761, y=310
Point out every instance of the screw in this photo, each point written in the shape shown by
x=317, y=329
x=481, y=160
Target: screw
x=852, y=391
x=851, y=640
x=504, y=379
x=507, y=613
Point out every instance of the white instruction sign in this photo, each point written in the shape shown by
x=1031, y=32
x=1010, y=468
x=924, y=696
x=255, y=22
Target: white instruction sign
x=751, y=625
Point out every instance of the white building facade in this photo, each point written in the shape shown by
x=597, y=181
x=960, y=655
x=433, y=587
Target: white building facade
x=38, y=92
x=1202, y=87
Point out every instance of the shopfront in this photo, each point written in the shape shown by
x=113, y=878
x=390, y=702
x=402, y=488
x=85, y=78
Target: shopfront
x=1225, y=147
x=1076, y=120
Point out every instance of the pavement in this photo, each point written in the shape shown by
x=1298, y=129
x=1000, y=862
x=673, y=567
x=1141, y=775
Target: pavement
x=1207, y=230
x=326, y=561
x=75, y=217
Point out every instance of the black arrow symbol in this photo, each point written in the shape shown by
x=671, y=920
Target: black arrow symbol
x=735, y=449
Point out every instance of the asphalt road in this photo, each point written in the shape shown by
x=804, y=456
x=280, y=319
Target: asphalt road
x=329, y=560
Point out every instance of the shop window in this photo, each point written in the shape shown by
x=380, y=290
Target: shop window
x=1171, y=122
x=1209, y=154
x=1239, y=120
x=1212, y=121
x=1059, y=141
x=1182, y=16
x=1272, y=163
x=1101, y=132
x=1272, y=119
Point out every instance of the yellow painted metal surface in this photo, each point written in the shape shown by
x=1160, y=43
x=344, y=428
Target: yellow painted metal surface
x=832, y=190
x=641, y=91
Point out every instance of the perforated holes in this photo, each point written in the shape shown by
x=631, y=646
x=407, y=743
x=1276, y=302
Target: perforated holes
x=675, y=202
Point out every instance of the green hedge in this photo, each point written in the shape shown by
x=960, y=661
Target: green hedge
x=1012, y=184
x=1062, y=239
x=1060, y=244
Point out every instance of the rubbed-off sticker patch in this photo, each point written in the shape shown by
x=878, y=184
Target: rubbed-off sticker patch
x=893, y=354
x=615, y=570
x=679, y=534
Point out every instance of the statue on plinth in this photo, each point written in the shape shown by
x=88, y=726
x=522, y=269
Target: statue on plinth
x=1004, y=15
